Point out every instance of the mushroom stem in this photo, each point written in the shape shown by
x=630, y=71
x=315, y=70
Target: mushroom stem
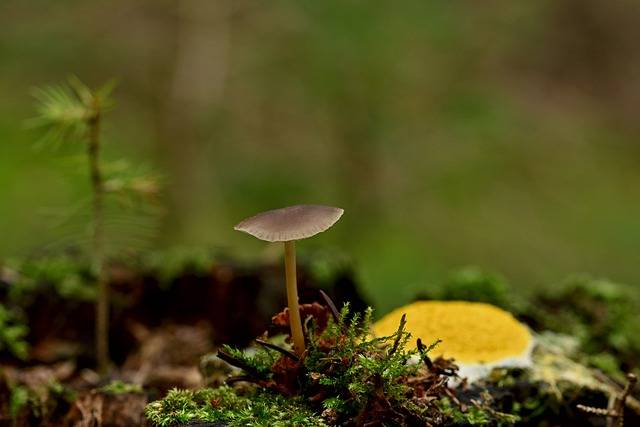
x=292, y=297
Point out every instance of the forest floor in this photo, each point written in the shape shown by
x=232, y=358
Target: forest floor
x=168, y=323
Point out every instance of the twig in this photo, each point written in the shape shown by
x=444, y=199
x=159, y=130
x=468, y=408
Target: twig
x=240, y=378
x=331, y=305
x=279, y=349
x=615, y=411
x=97, y=185
x=238, y=363
x=399, y=332
x=423, y=354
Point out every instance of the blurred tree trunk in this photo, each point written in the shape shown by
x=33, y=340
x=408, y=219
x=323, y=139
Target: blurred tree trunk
x=195, y=87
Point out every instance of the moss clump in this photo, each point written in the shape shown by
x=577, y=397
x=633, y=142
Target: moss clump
x=38, y=403
x=474, y=284
x=13, y=334
x=223, y=406
x=345, y=373
x=354, y=377
x=478, y=414
x=170, y=263
x=534, y=400
x=121, y=387
x=18, y=400
x=604, y=315
x=346, y=377
x=69, y=276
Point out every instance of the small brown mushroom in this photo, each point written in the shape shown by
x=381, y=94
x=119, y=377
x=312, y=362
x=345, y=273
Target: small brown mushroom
x=288, y=225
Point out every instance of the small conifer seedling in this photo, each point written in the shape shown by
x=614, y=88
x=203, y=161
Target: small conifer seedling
x=74, y=112
x=288, y=225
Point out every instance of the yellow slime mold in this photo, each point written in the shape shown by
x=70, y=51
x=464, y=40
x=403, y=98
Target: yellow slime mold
x=470, y=332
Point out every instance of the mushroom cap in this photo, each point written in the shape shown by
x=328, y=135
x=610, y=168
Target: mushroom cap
x=290, y=223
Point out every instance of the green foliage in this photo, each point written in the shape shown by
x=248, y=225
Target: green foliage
x=479, y=413
x=19, y=398
x=546, y=394
x=603, y=315
x=259, y=360
x=35, y=402
x=64, y=110
x=70, y=276
x=13, y=334
x=346, y=363
x=168, y=264
x=345, y=377
x=61, y=392
x=121, y=387
x=472, y=417
x=473, y=284
x=74, y=112
x=223, y=405
x=607, y=363
x=357, y=367
x=324, y=266
x=70, y=113
x=126, y=180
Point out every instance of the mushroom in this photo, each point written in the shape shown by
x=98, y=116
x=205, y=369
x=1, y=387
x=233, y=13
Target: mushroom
x=288, y=225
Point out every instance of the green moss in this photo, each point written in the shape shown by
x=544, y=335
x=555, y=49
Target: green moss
x=70, y=277
x=346, y=376
x=223, y=405
x=355, y=367
x=474, y=284
x=259, y=361
x=453, y=412
x=13, y=334
x=18, y=400
x=603, y=315
x=121, y=387
x=547, y=394
x=325, y=266
x=479, y=414
x=38, y=404
x=170, y=263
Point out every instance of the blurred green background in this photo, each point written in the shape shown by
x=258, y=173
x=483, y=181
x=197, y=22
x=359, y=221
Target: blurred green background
x=497, y=134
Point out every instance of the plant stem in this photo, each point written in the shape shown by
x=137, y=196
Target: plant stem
x=97, y=240
x=292, y=297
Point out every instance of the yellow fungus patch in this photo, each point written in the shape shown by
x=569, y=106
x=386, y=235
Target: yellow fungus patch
x=470, y=332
